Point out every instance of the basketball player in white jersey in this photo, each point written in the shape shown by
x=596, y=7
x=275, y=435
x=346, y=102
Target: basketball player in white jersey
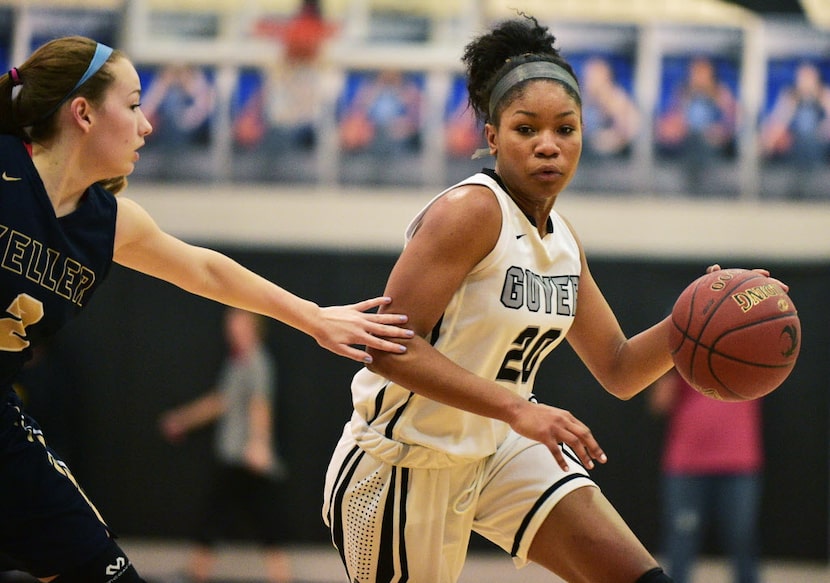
x=446, y=439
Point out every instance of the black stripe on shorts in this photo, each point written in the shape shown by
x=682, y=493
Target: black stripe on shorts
x=526, y=521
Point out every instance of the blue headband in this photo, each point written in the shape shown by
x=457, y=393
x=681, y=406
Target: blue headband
x=530, y=70
x=102, y=54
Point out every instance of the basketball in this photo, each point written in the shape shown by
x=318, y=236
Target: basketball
x=735, y=335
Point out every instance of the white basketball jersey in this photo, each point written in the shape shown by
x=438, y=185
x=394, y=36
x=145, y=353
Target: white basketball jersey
x=510, y=311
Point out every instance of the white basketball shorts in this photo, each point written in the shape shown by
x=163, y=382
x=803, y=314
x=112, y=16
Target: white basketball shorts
x=394, y=523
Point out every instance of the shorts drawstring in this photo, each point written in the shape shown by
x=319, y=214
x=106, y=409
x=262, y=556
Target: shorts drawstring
x=469, y=495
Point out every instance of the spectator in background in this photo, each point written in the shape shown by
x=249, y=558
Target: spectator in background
x=282, y=115
x=699, y=124
x=384, y=117
x=243, y=484
x=797, y=129
x=179, y=103
x=463, y=133
x=464, y=141
x=611, y=118
x=711, y=474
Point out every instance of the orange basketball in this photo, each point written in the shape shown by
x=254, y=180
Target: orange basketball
x=735, y=335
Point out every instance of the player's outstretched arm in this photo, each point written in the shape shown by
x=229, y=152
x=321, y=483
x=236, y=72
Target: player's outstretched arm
x=141, y=245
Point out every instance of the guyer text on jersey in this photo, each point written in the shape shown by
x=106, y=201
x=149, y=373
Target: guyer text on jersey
x=553, y=294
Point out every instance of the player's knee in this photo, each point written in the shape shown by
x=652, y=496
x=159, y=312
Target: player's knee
x=110, y=566
x=655, y=575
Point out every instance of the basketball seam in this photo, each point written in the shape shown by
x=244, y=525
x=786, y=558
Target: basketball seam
x=726, y=294
x=713, y=350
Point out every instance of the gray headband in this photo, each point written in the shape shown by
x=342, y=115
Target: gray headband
x=531, y=70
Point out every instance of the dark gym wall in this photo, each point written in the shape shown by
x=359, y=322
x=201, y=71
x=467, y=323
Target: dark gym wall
x=143, y=346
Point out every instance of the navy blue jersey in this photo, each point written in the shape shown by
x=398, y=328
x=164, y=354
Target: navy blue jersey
x=49, y=266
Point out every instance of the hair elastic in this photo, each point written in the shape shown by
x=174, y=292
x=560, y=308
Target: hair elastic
x=531, y=70
x=15, y=77
x=101, y=55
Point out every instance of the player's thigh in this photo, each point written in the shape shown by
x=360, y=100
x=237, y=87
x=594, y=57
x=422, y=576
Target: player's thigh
x=522, y=482
x=394, y=523
x=48, y=524
x=584, y=539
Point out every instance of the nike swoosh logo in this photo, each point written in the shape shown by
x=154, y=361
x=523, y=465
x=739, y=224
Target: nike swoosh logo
x=520, y=236
x=8, y=178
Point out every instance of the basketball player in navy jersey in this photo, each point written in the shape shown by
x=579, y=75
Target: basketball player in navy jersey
x=70, y=121
x=446, y=439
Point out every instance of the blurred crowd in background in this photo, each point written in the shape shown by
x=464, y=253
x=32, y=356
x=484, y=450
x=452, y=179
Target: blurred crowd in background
x=367, y=93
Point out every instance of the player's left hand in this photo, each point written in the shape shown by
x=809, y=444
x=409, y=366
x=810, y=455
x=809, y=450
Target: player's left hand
x=764, y=272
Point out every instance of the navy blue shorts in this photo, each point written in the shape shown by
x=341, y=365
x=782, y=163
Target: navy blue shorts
x=47, y=524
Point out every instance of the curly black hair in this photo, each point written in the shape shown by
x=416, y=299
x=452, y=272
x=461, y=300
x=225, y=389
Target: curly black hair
x=489, y=57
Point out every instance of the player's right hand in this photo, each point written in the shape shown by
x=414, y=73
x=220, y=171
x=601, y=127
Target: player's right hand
x=552, y=426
